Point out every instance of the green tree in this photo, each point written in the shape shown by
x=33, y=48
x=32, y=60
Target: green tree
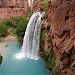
x=3, y=29
x=20, y=29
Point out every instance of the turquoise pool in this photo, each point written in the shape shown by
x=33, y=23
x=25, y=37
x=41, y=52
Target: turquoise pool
x=25, y=66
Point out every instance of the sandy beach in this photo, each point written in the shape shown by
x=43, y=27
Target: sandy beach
x=9, y=37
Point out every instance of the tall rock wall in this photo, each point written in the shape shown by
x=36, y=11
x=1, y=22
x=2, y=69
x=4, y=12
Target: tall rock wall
x=60, y=34
x=12, y=8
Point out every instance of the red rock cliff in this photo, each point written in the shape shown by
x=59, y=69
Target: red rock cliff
x=60, y=34
x=12, y=8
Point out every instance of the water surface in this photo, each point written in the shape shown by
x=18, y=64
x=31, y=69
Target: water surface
x=25, y=66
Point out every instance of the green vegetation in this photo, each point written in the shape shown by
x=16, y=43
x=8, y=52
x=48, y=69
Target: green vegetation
x=7, y=23
x=42, y=39
x=20, y=29
x=48, y=57
x=21, y=24
x=45, y=5
x=3, y=30
x=52, y=61
x=1, y=59
x=15, y=26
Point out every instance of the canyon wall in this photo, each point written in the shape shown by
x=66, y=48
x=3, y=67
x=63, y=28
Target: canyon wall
x=60, y=35
x=12, y=8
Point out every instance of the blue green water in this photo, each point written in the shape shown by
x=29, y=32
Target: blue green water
x=25, y=66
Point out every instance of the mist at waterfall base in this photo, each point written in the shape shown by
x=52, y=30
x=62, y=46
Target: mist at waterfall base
x=26, y=61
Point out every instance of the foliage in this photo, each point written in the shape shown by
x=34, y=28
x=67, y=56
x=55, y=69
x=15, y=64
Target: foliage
x=21, y=24
x=42, y=40
x=48, y=57
x=8, y=23
x=1, y=59
x=3, y=29
x=45, y=5
x=20, y=29
x=17, y=21
x=46, y=15
x=15, y=26
x=52, y=61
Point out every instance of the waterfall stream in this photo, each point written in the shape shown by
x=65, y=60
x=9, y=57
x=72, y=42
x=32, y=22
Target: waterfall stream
x=31, y=39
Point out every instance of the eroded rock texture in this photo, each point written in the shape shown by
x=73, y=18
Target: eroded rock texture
x=60, y=27
x=12, y=8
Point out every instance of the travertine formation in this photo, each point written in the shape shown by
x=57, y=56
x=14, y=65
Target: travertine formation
x=60, y=34
x=12, y=8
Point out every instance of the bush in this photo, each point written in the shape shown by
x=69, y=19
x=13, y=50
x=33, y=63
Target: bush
x=15, y=26
x=42, y=39
x=20, y=29
x=8, y=23
x=16, y=21
x=45, y=5
x=21, y=23
x=3, y=29
x=51, y=60
x=1, y=59
x=20, y=20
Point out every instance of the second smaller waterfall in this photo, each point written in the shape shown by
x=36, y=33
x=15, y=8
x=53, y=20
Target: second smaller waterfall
x=31, y=39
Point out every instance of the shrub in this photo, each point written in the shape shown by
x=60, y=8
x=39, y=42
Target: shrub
x=20, y=29
x=20, y=20
x=21, y=23
x=16, y=21
x=45, y=5
x=42, y=39
x=8, y=23
x=1, y=59
x=52, y=61
x=15, y=26
x=3, y=29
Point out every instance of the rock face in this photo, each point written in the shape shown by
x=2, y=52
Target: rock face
x=60, y=35
x=12, y=8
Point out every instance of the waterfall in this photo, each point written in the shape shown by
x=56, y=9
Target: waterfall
x=36, y=39
x=31, y=39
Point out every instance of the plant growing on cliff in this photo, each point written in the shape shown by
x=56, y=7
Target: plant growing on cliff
x=45, y=5
x=51, y=60
x=42, y=40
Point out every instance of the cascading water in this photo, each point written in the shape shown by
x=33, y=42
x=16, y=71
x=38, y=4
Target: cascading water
x=36, y=39
x=31, y=39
